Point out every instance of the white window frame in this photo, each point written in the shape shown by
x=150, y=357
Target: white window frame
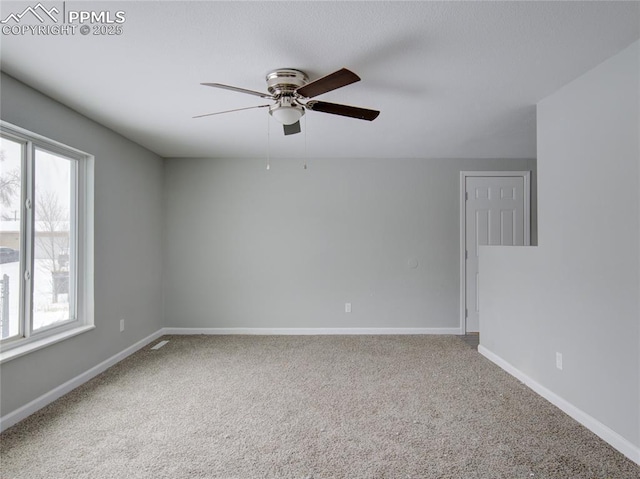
x=81, y=311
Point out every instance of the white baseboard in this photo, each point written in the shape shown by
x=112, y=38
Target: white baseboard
x=604, y=432
x=22, y=412
x=310, y=331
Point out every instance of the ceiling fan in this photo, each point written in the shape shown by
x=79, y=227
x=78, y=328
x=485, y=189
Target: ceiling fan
x=291, y=90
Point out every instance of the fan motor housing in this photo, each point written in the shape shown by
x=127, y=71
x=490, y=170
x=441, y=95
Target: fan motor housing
x=284, y=81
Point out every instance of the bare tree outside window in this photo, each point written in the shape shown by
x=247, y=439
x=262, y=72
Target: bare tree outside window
x=53, y=229
x=9, y=184
x=52, y=241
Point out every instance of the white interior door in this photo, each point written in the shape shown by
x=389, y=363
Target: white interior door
x=495, y=214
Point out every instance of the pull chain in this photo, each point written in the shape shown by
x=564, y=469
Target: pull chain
x=305, y=142
x=268, y=143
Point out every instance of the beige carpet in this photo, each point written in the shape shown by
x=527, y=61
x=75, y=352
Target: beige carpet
x=306, y=407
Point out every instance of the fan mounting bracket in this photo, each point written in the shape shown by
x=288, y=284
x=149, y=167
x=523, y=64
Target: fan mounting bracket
x=284, y=81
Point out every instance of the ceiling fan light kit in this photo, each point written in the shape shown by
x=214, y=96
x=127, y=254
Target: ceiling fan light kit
x=291, y=90
x=286, y=111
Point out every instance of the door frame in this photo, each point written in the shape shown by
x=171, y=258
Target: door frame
x=526, y=176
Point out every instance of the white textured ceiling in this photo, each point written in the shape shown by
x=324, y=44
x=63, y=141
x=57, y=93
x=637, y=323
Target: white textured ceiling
x=452, y=79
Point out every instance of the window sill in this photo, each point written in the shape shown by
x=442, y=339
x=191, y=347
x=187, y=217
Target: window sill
x=42, y=343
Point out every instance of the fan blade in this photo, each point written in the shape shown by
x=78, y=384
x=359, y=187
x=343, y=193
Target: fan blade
x=239, y=90
x=292, y=129
x=229, y=111
x=343, y=110
x=327, y=83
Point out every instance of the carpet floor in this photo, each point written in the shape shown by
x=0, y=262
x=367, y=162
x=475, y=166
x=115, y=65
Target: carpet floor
x=306, y=407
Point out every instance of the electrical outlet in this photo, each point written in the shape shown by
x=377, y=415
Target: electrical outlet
x=347, y=307
x=121, y=325
x=559, y=361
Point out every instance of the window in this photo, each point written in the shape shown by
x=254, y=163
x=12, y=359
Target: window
x=45, y=241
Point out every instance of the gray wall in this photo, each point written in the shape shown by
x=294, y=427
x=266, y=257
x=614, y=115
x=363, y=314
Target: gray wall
x=577, y=293
x=247, y=247
x=128, y=245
